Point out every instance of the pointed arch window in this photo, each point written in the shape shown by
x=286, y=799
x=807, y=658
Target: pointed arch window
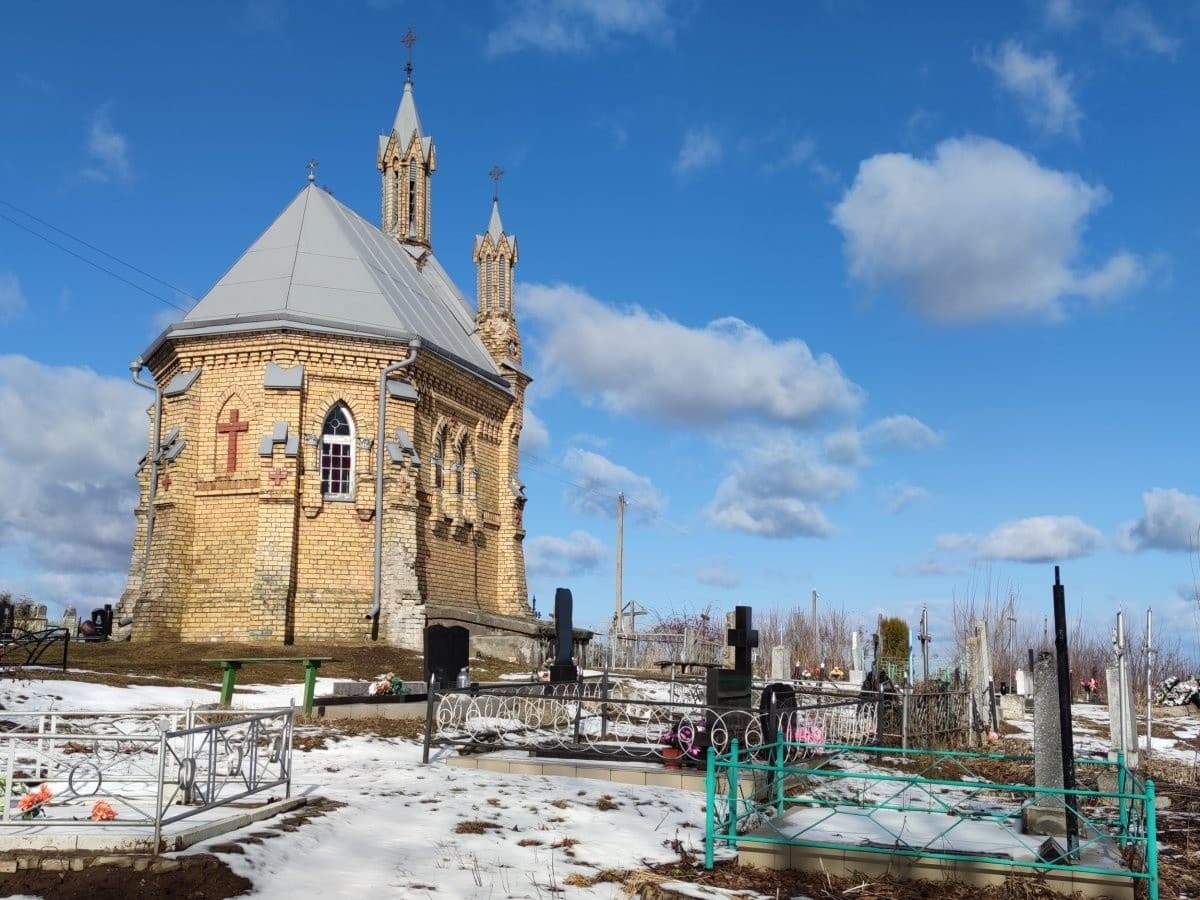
x=412, y=197
x=337, y=454
x=487, y=287
x=503, y=283
x=460, y=467
x=439, y=457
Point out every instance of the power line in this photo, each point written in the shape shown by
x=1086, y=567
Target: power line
x=93, y=263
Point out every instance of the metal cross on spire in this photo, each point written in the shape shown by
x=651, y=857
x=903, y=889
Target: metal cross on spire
x=311, y=165
x=495, y=175
x=408, y=40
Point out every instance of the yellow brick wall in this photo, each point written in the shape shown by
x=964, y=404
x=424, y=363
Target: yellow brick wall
x=259, y=554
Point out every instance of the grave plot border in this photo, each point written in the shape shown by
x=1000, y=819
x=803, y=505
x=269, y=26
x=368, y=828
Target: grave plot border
x=588, y=720
x=154, y=768
x=1124, y=816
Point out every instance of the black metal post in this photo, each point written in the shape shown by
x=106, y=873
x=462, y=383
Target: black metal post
x=1064, y=713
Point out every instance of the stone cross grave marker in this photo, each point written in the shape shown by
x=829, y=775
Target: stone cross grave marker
x=731, y=687
x=1047, y=815
x=563, y=668
x=447, y=652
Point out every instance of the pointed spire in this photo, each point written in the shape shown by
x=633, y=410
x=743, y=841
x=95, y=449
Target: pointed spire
x=407, y=120
x=495, y=226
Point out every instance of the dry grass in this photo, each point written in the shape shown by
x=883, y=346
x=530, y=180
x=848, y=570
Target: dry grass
x=475, y=826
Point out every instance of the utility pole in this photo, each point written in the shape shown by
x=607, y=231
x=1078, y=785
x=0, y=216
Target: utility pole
x=619, y=617
x=816, y=632
x=924, y=638
x=1149, y=676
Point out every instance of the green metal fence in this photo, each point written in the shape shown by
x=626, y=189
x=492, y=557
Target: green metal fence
x=1114, y=833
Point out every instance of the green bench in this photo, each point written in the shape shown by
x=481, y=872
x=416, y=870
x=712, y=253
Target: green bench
x=229, y=670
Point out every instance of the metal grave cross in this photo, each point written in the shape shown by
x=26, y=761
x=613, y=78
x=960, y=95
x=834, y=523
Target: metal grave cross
x=232, y=429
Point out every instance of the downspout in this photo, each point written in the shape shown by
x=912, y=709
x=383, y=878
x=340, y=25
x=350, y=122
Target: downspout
x=135, y=369
x=381, y=427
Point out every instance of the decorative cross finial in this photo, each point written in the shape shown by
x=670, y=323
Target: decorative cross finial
x=311, y=165
x=495, y=176
x=408, y=40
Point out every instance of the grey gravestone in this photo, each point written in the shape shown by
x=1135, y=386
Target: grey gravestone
x=1122, y=724
x=781, y=664
x=351, y=688
x=1022, y=683
x=447, y=652
x=727, y=653
x=1047, y=815
x=563, y=669
x=7, y=621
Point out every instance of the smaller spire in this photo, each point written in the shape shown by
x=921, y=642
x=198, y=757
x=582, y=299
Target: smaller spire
x=495, y=227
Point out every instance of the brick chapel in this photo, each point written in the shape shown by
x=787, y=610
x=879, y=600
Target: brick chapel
x=334, y=439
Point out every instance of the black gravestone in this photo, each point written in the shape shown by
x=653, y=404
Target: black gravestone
x=743, y=639
x=99, y=626
x=563, y=669
x=731, y=687
x=447, y=652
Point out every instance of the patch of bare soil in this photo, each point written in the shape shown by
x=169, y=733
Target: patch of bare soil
x=200, y=877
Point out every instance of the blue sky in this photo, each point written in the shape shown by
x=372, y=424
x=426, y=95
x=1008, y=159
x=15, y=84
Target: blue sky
x=844, y=296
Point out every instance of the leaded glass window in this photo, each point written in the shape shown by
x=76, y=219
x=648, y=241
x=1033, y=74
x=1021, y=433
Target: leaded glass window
x=337, y=455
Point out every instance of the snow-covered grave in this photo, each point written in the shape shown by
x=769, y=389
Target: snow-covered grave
x=418, y=829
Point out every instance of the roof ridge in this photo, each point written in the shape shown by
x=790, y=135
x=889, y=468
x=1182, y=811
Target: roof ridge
x=291, y=277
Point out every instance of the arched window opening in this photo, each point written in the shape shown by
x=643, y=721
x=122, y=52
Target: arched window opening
x=412, y=196
x=503, y=304
x=337, y=455
x=439, y=457
x=460, y=466
x=487, y=286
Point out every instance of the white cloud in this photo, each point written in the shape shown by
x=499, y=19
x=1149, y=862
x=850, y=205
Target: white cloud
x=1040, y=539
x=576, y=554
x=954, y=541
x=772, y=489
x=1044, y=92
x=1170, y=521
x=12, y=300
x=577, y=26
x=535, y=437
x=718, y=573
x=1061, y=15
x=108, y=148
x=700, y=150
x=68, y=484
x=903, y=431
x=1134, y=29
x=845, y=448
x=900, y=496
x=801, y=154
x=598, y=480
x=645, y=364
x=979, y=231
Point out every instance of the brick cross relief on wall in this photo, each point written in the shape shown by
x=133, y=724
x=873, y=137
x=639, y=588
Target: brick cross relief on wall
x=231, y=430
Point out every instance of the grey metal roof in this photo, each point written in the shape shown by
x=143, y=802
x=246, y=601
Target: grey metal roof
x=322, y=267
x=281, y=379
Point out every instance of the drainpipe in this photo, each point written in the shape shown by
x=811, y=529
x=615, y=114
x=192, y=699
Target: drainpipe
x=135, y=369
x=381, y=426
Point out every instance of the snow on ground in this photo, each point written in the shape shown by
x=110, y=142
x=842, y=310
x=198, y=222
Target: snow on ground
x=1092, y=729
x=57, y=695
x=398, y=827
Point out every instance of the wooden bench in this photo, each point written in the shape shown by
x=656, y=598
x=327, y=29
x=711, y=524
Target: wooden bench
x=229, y=670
